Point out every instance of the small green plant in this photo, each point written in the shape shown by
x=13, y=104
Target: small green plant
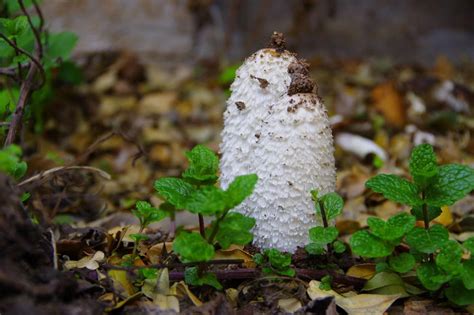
x=11, y=163
x=439, y=262
x=146, y=214
x=196, y=192
x=323, y=239
x=274, y=262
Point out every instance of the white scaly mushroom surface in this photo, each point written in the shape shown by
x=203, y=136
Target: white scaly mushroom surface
x=286, y=140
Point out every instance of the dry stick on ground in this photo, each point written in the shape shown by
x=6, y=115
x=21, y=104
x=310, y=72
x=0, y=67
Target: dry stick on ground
x=35, y=67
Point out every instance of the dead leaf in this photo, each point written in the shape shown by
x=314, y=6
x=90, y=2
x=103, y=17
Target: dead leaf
x=446, y=217
x=180, y=290
x=121, y=282
x=236, y=252
x=154, y=252
x=89, y=262
x=364, y=271
x=290, y=305
x=388, y=101
x=356, y=304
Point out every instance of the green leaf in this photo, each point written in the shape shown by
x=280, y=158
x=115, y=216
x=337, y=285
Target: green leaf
x=148, y=214
x=10, y=162
x=423, y=166
x=368, y=245
x=467, y=273
x=394, y=228
x=431, y=276
x=203, y=165
x=208, y=200
x=402, y=263
x=332, y=204
x=228, y=74
x=453, y=183
x=469, y=245
x=433, y=212
x=192, y=277
x=137, y=237
x=314, y=249
x=459, y=294
x=325, y=284
x=339, y=247
x=395, y=188
x=241, y=188
x=59, y=47
x=323, y=236
x=278, y=259
x=174, y=190
x=258, y=258
x=191, y=247
x=289, y=272
x=449, y=257
x=427, y=241
x=235, y=229
x=15, y=27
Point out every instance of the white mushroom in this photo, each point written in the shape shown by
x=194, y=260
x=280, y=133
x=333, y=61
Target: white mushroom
x=277, y=127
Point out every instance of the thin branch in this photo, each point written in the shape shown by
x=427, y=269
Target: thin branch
x=40, y=15
x=49, y=172
x=36, y=32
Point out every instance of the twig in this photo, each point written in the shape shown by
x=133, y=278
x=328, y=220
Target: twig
x=55, y=253
x=36, y=32
x=176, y=265
x=51, y=171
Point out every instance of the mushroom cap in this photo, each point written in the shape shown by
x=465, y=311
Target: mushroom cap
x=282, y=135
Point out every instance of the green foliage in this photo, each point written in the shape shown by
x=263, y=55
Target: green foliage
x=148, y=214
x=203, y=165
x=234, y=229
x=227, y=75
x=438, y=261
x=175, y=191
x=10, y=162
x=274, y=262
x=192, y=247
x=194, y=277
x=323, y=238
x=325, y=283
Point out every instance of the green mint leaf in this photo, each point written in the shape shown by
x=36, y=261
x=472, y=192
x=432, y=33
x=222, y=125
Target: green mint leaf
x=315, y=195
x=174, y=190
x=235, y=229
x=314, y=249
x=208, y=200
x=431, y=276
x=332, y=204
x=339, y=247
x=137, y=237
x=323, y=236
x=433, y=212
x=258, y=258
x=289, y=272
x=278, y=259
x=449, y=257
x=10, y=161
x=203, y=165
x=241, y=188
x=402, y=263
x=427, y=241
x=192, y=247
x=148, y=214
x=381, y=267
x=459, y=294
x=368, y=245
x=453, y=182
x=467, y=274
x=394, y=228
x=148, y=273
x=395, y=188
x=192, y=277
x=423, y=167
x=469, y=245
x=325, y=284
x=59, y=47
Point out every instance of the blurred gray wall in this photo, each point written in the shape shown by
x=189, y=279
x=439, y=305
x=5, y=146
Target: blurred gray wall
x=171, y=31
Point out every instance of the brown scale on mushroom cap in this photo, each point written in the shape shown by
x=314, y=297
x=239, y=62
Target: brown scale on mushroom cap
x=277, y=41
x=300, y=80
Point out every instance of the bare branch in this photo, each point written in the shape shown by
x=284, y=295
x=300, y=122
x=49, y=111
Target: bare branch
x=36, y=32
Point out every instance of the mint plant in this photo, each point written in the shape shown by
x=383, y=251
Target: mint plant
x=146, y=215
x=323, y=239
x=11, y=163
x=196, y=192
x=274, y=262
x=440, y=263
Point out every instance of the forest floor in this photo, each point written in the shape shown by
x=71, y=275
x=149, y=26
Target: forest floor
x=127, y=125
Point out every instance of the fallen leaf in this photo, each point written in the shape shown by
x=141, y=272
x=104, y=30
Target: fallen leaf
x=166, y=302
x=388, y=101
x=121, y=282
x=386, y=283
x=446, y=217
x=357, y=304
x=155, y=251
x=364, y=271
x=89, y=262
x=290, y=305
x=236, y=252
x=180, y=290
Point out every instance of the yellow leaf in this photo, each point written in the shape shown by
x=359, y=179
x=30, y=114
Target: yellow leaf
x=355, y=304
x=388, y=101
x=180, y=289
x=166, y=302
x=446, y=217
x=236, y=252
x=121, y=282
x=364, y=271
x=154, y=252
